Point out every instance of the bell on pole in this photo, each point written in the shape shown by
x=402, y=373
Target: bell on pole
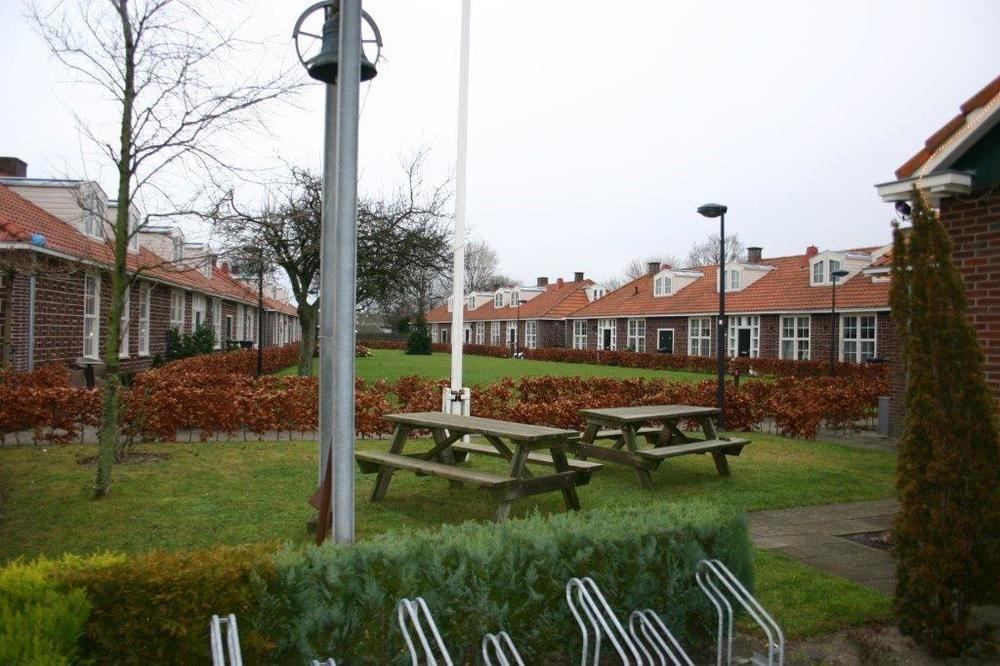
x=325, y=64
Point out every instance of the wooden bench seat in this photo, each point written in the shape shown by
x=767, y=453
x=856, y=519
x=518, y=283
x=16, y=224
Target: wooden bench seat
x=538, y=458
x=645, y=431
x=372, y=461
x=733, y=446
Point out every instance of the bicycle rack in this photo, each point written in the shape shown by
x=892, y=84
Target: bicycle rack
x=232, y=641
x=503, y=649
x=710, y=575
x=602, y=620
x=413, y=610
x=663, y=647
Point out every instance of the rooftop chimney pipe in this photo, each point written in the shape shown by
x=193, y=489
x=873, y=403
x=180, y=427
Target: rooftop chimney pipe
x=543, y=282
x=578, y=276
x=754, y=254
x=652, y=267
x=14, y=167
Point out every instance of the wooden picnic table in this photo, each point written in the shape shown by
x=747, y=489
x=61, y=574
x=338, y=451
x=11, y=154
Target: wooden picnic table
x=518, y=443
x=659, y=426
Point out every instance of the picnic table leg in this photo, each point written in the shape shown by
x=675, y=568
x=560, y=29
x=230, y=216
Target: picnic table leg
x=447, y=456
x=516, y=472
x=588, y=438
x=562, y=465
x=628, y=434
x=721, y=464
x=385, y=474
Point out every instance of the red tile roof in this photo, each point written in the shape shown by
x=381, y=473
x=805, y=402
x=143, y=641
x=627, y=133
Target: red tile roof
x=558, y=300
x=936, y=140
x=784, y=289
x=19, y=219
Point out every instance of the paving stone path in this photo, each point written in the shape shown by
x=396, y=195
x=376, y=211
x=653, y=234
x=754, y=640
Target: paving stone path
x=814, y=535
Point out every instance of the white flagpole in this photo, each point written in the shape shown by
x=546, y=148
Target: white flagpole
x=458, y=287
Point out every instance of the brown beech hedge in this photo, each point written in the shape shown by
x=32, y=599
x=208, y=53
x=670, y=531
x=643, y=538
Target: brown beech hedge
x=219, y=394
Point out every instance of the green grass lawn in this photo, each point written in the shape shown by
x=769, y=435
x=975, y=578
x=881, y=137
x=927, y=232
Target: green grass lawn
x=391, y=364
x=205, y=494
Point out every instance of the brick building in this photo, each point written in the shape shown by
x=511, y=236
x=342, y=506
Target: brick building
x=776, y=308
x=55, y=284
x=958, y=168
x=528, y=317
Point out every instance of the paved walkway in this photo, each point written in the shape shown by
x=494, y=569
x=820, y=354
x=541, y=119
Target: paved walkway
x=814, y=535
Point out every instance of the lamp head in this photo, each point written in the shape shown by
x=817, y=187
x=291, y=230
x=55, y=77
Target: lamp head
x=903, y=209
x=836, y=275
x=712, y=210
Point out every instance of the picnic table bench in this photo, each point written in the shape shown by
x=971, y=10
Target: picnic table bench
x=625, y=425
x=518, y=443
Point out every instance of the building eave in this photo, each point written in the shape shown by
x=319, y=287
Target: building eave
x=939, y=186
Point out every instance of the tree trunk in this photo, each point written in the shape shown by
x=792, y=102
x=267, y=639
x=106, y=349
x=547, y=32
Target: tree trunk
x=307, y=322
x=109, y=436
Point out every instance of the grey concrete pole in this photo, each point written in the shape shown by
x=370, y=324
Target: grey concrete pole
x=327, y=282
x=721, y=342
x=348, y=89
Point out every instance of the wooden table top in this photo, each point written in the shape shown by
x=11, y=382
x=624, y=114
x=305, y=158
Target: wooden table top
x=648, y=413
x=521, y=432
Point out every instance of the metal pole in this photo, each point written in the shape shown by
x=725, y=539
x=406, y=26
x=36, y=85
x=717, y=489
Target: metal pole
x=32, y=286
x=348, y=89
x=260, y=317
x=833, y=321
x=720, y=336
x=458, y=273
x=517, y=329
x=327, y=282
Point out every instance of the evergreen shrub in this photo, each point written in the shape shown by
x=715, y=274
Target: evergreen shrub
x=419, y=342
x=339, y=601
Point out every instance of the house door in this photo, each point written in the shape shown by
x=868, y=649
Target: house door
x=444, y=335
x=468, y=335
x=665, y=341
x=606, y=338
x=743, y=342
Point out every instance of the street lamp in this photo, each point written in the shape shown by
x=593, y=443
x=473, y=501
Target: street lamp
x=517, y=327
x=341, y=64
x=713, y=210
x=834, y=276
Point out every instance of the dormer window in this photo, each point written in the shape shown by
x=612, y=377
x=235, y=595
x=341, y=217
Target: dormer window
x=471, y=303
x=819, y=276
x=93, y=215
x=515, y=299
x=823, y=267
x=733, y=279
x=498, y=300
x=451, y=303
x=178, y=252
x=662, y=286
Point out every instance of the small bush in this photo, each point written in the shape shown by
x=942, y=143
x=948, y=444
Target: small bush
x=419, y=342
x=339, y=601
x=41, y=622
x=156, y=608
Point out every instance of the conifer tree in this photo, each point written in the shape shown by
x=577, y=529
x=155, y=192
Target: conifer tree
x=948, y=474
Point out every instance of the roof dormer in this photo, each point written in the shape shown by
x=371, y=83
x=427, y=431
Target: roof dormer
x=738, y=276
x=824, y=264
x=594, y=292
x=669, y=281
x=522, y=295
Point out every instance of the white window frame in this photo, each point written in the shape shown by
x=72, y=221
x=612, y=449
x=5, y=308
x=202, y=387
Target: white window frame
x=92, y=320
x=443, y=334
x=198, y=307
x=799, y=337
x=145, y=293
x=512, y=340
x=515, y=298
x=821, y=278
x=217, y=321
x=240, y=333
x=637, y=335
x=531, y=334
x=125, y=322
x=480, y=332
x=498, y=300
x=737, y=322
x=177, y=302
x=495, y=333
x=858, y=354
x=92, y=222
x=435, y=333
x=230, y=329
x=700, y=336
x=662, y=286
x=579, y=334
x=604, y=325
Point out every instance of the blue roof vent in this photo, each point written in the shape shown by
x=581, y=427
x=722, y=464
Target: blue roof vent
x=38, y=239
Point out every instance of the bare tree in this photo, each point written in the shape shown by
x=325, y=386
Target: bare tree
x=706, y=252
x=402, y=242
x=481, y=263
x=160, y=63
x=637, y=268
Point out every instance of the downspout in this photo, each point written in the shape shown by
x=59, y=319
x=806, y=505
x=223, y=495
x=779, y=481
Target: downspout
x=32, y=284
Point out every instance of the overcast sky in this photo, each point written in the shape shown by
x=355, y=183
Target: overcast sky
x=597, y=128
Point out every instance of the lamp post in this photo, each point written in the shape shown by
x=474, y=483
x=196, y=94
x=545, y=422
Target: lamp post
x=713, y=210
x=834, y=276
x=341, y=64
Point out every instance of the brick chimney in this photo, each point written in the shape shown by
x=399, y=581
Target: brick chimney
x=559, y=283
x=12, y=166
x=578, y=276
x=811, y=251
x=754, y=254
x=542, y=282
x=652, y=267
